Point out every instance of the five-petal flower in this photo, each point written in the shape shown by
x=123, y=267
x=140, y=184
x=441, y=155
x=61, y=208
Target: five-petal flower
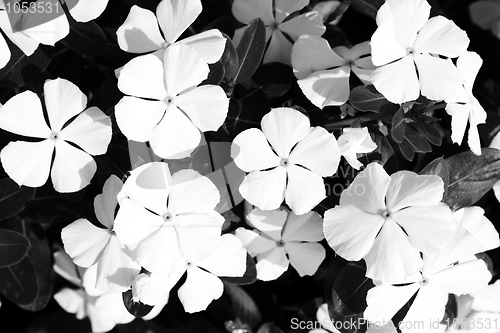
x=355, y=141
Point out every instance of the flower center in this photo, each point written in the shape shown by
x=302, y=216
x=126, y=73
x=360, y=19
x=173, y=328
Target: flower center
x=386, y=213
x=410, y=50
x=274, y=26
x=424, y=282
x=350, y=63
x=280, y=243
x=167, y=216
x=53, y=136
x=165, y=45
x=168, y=100
x=284, y=162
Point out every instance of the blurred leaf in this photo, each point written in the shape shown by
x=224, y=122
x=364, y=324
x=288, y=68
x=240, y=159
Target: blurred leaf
x=13, y=197
x=13, y=247
x=471, y=176
x=241, y=115
x=251, y=49
x=269, y=82
x=86, y=39
x=242, y=305
x=106, y=96
x=230, y=59
x=29, y=283
x=21, y=69
x=451, y=310
x=249, y=277
x=430, y=133
x=116, y=161
x=367, y=98
x=438, y=167
x=367, y=7
x=269, y=328
x=398, y=127
x=137, y=309
x=224, y=24
x=384, y=153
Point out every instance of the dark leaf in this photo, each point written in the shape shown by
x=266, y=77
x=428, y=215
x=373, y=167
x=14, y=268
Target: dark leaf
x=241, y=116
x=269, y=328
x=137, y=309
x=367, y=98
x=384, y=153
x=13, y=197
x=13, y=247
x=251, y=49
x=29, y=283
x=471, y=176
x=242, y=305
x=269, y=82
x=230, y=59
x=407, y=150
x=21, y=69
x=116, y=161
x=430, y=133
x=249, y=277
x=224, y=24
x=106, y=96
x=417, y=140
x=451, y=310
x=86, y=39
x=489, y=263
x=367, y=7
x=398, y=128
x=438, y=167
x=216, y=74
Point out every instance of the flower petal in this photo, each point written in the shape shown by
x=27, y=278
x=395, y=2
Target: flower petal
x=229, y=259
x=175, y=16
x=4, y=52
x=245, y=11
x=269, y=223
x=279, y=49
x=304, y=189
x=271, y=265
x=137, y=117
x=310, y=23
x=469, y=64
x=251, y=151
x=284, y=127
x=387, y=265
x=459, y=119
x=73, y=168
x=199, y=290
x=305, y=62
x=14, y=113
x=64, y=266
x=350, y=231
x=464, y=278
x=265, y=189
x=90, y=130
x=209, y=44
x=253, y=242
x=134, y=223
x=384, y=301
x=143, y=76
x=305, y=257
x=28, y=163
x=175, y=136
x=63, y=100
x=206, y=106
x=480, y=227
x=49, y=32
x=184, y=68
x=367, y=191
x=355, y=52
x=429, y=228
x=84, y=242
x=139, y=33
x=27, y=44
x=329, y=87
x=441, y=36
x=72, y=301
x=318, y=152
x=397, y=81
x=485, y=13
x=283, y=8
x=86, y=10
x=106, y=202
x=300, y=228
x=487, y=301
x=438, y=78
x=384, y=44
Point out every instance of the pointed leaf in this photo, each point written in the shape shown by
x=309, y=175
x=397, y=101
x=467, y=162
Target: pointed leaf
x=398, y=128
x=13, y=198
x=230, y=59
x=367, y=7
x=367, y=98
x=86, y=39
x=251, y=49
x=244, y=307
x=13, y=247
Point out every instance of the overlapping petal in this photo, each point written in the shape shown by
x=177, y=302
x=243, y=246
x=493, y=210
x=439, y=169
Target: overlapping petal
x=251, y=151
x=283, y=8
x=175, y=16
x=229, y=259
x=307, y=227
x=265, y=189
x=310, y=23
x=199, y=290
x=305, y=257
x=328, y=87
x=441, y=36
x=245, y=11
x=384, y=301
x=253, y=242
x=304, y=190
x=209, y=44
x=272, y=264
x=86, y=10
x=268, y=222
x=279, y=49
x=143, y=77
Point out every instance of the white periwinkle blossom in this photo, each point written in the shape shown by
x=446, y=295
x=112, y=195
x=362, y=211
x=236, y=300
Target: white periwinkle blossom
x=286, y=160
x=355, y=141
x=29, y=163
x=486, y=14
x=323, y=75
x=280, y=31
x=104, y=309
x=388, y=221
x=280, y=239
x=90, y=245
x=406, y=42
x=464, y=107
x=454, y=269
x=166, y=106
x=140, y=34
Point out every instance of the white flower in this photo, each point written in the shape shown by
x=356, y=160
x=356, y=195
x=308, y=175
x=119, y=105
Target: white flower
x=176, y=108
x=29, y=163
x=464, y=107
x=170, y=219
x=406, y=38
x=454, y=269
x=105, y=310
x=139, y=33
x=388, y=221
x=324, y=74
x=282, y=238
x=297, y=156
x=90, y=245
x=488, y=300
x=355, y=141
x=486, y=14
x=202, y=284
x=280, y=31
x=495, y=143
